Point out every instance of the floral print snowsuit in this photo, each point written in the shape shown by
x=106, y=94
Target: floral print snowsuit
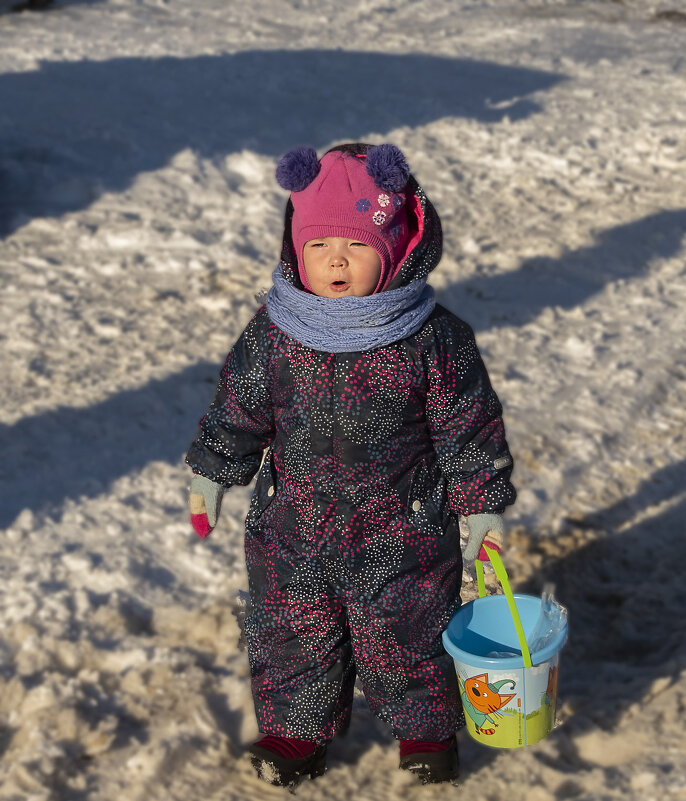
x=352, y=543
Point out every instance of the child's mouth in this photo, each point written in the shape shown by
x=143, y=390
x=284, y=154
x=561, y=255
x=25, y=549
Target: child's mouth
x=339, y=286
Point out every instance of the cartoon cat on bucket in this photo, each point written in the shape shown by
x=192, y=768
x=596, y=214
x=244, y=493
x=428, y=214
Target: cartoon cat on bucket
x=481, y=699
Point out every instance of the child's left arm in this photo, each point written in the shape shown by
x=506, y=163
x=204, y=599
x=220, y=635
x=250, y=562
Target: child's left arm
x=465, y=420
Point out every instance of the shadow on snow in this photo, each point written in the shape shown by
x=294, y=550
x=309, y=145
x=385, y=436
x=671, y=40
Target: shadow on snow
x=80, y=129
x=79, y=452
x=620, y=253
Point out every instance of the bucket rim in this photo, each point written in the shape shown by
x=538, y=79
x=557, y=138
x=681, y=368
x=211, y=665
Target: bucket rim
x=496, y=663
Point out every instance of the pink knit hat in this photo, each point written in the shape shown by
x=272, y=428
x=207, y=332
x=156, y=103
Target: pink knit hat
x=360, y=197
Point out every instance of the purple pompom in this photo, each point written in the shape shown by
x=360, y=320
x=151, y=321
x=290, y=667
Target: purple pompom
x=387, y=167
x=298, y=168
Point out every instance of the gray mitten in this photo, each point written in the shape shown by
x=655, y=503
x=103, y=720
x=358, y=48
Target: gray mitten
x=488, y=528
x=205, y=502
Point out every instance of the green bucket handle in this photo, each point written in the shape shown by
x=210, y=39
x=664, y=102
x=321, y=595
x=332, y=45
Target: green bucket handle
x=501, y=575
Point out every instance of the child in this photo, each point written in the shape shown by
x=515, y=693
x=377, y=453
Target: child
x=380, y=428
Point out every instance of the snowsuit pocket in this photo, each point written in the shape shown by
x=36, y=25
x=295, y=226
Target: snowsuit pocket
x=265, y=489
x=425, y=499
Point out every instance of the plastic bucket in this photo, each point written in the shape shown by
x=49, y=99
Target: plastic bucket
x=508, y=701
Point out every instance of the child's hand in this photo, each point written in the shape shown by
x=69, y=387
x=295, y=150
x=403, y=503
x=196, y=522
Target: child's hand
x=205, y=502
x=484, y=528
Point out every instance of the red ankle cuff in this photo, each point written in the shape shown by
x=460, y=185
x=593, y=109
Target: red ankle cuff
x=419, y=746
x=287, y=747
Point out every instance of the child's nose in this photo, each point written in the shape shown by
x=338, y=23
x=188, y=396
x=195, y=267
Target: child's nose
x=338, y=259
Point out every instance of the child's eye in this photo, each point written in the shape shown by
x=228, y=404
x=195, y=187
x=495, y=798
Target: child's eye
x=317, y=244
x=361, y=244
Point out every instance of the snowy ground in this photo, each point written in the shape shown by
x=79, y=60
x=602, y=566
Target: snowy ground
x=138, y=217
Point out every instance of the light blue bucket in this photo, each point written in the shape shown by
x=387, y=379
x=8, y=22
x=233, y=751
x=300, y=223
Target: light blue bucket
x=509, y=701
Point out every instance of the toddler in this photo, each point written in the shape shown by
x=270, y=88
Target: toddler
x=380, y=428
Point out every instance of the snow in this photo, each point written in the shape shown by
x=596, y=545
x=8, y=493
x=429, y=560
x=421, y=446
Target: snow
x=138, y=218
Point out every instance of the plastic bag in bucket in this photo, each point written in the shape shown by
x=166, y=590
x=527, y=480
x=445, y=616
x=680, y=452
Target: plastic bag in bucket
x=509, y=694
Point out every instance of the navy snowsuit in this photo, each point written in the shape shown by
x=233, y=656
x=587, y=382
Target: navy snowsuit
x=352, y=542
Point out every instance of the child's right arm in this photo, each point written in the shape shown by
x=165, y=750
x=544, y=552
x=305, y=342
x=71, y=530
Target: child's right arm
x=237, y=428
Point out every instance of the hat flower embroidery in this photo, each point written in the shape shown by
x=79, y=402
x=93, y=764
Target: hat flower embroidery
x=397, y=201
x=363, y=205
x=379, y=217
x=383, y=200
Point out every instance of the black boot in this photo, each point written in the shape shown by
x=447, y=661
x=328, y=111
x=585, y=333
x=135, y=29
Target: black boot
x=284, y=772
x=433, y=766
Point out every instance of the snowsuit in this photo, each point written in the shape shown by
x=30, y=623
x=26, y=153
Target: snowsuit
x=352, y=542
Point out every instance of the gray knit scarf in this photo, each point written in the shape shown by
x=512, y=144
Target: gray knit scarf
x=349, y=324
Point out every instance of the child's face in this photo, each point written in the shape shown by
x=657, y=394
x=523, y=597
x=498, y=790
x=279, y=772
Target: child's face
x=337, y=267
